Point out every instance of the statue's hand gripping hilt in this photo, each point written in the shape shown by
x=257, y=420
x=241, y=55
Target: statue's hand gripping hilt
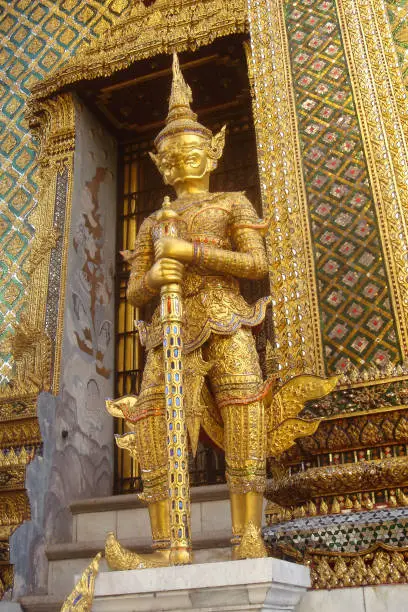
x=169, y=224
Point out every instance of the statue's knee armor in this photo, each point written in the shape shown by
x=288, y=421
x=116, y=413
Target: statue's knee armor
x=236, y=382
x=152, y=455
x=245, y=447
x=149, y=425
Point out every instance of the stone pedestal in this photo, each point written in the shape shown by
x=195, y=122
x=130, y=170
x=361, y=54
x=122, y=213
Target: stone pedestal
x=253, y=584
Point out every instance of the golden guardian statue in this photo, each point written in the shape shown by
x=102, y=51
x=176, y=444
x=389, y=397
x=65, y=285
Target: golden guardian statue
x=202, y=368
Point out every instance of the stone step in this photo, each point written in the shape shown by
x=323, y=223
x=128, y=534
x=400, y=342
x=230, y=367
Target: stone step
x=69, y=560
x=41, y=603
x=128, y=517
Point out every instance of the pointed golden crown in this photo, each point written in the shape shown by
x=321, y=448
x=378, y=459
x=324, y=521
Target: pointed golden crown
x=180, y=117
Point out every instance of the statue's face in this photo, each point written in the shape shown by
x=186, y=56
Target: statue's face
x=183, y=158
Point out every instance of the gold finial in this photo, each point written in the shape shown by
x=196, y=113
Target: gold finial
x=180, y=97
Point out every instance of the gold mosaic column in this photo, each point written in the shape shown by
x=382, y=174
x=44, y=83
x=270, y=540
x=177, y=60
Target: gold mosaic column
x=381, y=100
x=298, y=346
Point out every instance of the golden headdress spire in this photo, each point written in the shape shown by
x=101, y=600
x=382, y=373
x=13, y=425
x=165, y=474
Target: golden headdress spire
x=180, y=117
x=180, y=97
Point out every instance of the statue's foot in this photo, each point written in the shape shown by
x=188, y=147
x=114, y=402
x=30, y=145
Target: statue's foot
x=120, y=558
x=251, y=546
x=181, y=556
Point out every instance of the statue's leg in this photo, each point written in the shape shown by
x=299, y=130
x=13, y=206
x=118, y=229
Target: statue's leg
x=151, y=444
x=245, y=455
x=149, y=426
x=235, y=381
x=151, y=435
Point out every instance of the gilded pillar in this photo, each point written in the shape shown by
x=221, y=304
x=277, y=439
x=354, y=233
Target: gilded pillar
x=298, y=345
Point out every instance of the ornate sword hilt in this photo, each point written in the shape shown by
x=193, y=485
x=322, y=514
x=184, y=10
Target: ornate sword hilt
x=169, y=224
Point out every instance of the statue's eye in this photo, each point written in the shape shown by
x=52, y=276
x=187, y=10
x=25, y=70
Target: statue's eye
x=193, y=160
x=167, y=163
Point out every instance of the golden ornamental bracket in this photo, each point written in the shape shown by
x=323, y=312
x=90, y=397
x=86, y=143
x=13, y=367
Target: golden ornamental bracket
x=52, y=123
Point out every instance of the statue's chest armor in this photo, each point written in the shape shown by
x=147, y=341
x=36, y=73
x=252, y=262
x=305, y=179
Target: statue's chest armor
x=210, y=221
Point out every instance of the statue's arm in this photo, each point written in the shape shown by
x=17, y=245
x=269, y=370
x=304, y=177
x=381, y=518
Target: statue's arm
x=139, y=292
x=249, y=259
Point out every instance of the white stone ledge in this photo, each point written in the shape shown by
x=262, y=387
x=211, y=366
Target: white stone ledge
x=253, y=584
x=131, y=501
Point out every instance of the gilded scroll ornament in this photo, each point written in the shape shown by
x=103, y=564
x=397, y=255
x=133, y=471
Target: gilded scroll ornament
x=399, y=27
x=44, y=241
x=339, y=480
x=80, y=600
x=287, y=403
x=31, y=350
x=380, y=564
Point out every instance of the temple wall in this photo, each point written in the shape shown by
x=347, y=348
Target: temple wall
x=77, y=432
x=37, y=38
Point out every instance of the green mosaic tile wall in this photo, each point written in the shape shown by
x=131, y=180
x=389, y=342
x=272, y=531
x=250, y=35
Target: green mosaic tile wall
x=398, y=14
x=357, y=320
x=37, y=36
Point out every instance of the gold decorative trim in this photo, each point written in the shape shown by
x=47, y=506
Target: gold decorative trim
x=380, y=99
x=379, y=564
x=298, y=344
x=362, y=413
x=146, y=31
x=31, y=350
x=34, y=351
x=371, y=382
x=6, y=579
x=120, y=558
x=19, y=433
x=338, y=480
x=284, y=426
x=252, y=545
x=81, y=598
x=53, y=122
x=369, y=429
x=14, y=509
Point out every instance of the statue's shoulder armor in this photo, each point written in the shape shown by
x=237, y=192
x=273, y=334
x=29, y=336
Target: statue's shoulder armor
x=225, y=200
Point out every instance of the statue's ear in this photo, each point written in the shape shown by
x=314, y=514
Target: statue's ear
x=218, y=142
x=157, y=160
x=154, y=158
